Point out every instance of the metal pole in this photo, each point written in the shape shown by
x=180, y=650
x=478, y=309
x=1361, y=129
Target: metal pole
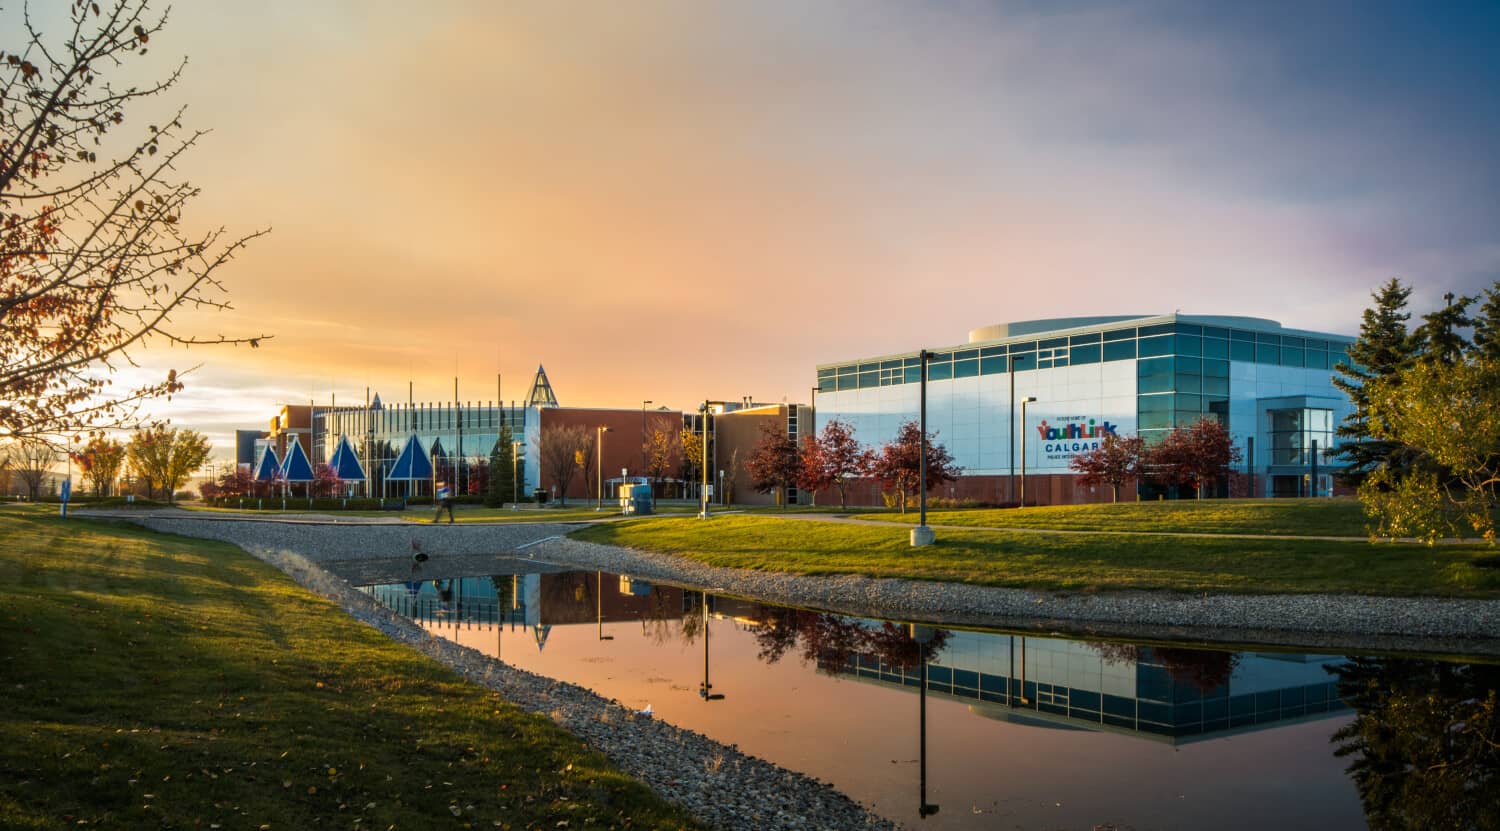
x=1010, y=421
x=1027, y=400
x=922, y=535
x=1313, y=483
x=1250, y=466
x=922, y=463
x=599, y=463
x=643, y=437
x=703, y=425
x=515, y=482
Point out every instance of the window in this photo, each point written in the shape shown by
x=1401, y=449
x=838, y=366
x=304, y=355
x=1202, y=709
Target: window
x=939, y=371
x=1292, y=356
x=1119, y=334
x=1024, y=362
x=1215, y=348
x=966, y=369
x=1189, y=345
x=1150, y=347
x=991, y=351
x=1090, y=338
x=1053, y=343
x=993, y=366
x=1161, y=329
x=965, y=354
x=1241, y=351
x=1120, y=350
x=1086, y=354
x=1154, y=375
x=1266, y=353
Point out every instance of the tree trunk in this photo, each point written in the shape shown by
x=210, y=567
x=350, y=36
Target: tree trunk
x=1116, y=488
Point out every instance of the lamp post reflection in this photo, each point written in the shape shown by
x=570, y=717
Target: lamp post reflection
x=922, y=635
x=599, y=604
x=705, y=690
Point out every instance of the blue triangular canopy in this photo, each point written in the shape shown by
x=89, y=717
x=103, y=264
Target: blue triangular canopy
x=413, y=463
x=269, y=466
x=345, y=463
x=296, y=468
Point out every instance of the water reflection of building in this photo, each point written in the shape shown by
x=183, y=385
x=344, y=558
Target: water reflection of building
x=534, y=602
x=1180, y=695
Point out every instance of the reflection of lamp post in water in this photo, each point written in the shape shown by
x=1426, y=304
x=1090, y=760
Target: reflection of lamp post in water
x=1010, y=695
x=599, y=604
x=922, y=635
x=704, y=690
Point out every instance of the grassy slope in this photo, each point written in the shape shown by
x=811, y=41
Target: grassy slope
x=1304, y=517
x=1065, y=561
x=156, y=681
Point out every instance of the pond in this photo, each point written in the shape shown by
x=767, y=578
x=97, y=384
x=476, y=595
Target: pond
x=1010, y=730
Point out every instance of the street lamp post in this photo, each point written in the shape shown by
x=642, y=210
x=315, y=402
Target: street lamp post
x=643, y=436
x=703, y=423
x=922, y=535
x=1027, y=400
x=599, y=464
x=515, y=482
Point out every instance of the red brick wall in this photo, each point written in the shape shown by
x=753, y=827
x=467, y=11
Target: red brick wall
x=622, y=448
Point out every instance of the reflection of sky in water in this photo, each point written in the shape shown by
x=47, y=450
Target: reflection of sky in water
x=1067, y=758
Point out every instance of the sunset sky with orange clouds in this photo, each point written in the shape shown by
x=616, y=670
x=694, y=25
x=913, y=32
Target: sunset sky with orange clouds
x=680, y=200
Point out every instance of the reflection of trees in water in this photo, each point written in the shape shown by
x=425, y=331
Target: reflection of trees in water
x=1425, y=742
x=663, y=613
x=835, y=639
x=1205, y=669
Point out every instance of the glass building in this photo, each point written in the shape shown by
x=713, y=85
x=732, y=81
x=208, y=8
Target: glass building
x=1083, y=378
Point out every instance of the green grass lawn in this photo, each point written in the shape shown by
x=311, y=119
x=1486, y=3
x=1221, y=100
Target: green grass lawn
x=1297, y=517
x=1077, y=562
x=155, y=681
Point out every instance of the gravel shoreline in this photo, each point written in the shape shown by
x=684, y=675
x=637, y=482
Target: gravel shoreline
x=717, y=783
x=1314, y=622
x=731, y=790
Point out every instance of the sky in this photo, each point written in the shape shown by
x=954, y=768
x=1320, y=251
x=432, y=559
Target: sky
x=684, y=200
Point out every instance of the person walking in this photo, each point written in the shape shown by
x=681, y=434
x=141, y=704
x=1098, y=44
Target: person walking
x=444, y=502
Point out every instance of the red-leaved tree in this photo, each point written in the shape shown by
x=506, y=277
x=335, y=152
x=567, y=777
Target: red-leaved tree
x=1197, y=456
x=898, y=464
x=235, y=482
x=774, y=465
x=831, y=458
x=1114, y=462
x=325, y=481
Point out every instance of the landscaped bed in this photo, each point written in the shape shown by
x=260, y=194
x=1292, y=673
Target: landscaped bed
x=158, y=681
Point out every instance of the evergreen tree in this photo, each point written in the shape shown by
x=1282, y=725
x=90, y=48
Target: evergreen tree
x=1438, y=339
x=1487, y=325
x=502, y=483
x=1383, y=349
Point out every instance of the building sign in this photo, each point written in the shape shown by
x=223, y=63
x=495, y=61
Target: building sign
x=1064, y=437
